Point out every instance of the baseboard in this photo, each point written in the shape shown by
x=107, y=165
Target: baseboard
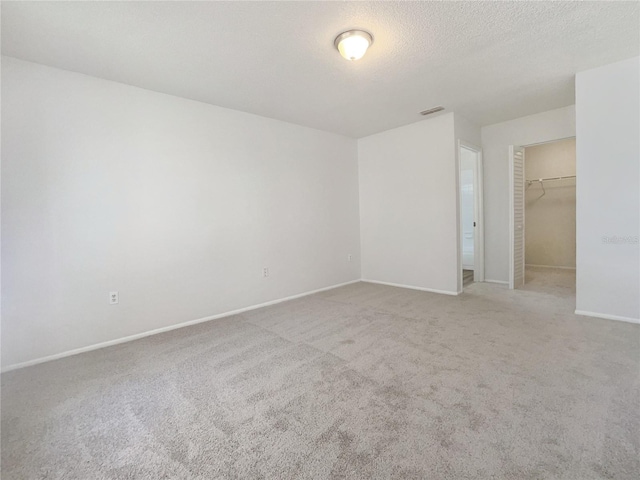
x=549, y=266
x=411, y=287
x=607, y=316
x=157, y=331
x=499, y=282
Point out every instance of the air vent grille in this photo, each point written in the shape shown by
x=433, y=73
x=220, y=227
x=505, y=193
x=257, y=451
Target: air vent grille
x=432, y=110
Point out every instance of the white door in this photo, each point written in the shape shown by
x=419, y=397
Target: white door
x=516, y=224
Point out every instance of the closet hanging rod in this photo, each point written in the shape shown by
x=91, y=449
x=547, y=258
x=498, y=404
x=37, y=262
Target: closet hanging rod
x=550, y=179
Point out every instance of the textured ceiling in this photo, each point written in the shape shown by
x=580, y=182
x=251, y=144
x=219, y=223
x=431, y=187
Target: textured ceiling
x=489, y=61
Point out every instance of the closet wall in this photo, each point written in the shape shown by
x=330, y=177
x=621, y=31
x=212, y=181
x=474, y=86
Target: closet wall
x=550, y=213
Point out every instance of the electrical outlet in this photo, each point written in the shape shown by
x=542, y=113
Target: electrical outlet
x=265, y=272
x=113, y=298
x=349, y=257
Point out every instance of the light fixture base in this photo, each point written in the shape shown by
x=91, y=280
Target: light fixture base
x=351, y=33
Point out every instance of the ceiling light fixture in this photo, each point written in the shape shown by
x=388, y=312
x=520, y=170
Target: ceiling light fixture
x=353, y=44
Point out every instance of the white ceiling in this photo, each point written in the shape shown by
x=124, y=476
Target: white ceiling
x=489, y=61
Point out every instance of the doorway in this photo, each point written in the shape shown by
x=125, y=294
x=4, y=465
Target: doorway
x=471, y=245
x=543, y=216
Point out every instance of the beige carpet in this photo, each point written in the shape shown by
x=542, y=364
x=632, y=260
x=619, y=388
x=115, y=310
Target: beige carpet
x=361, y=382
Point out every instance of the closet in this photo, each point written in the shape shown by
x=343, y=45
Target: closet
x=550, y=207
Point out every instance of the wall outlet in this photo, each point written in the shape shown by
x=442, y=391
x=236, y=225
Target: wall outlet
x=349, y=257
x=113, y=298
x=265, y=272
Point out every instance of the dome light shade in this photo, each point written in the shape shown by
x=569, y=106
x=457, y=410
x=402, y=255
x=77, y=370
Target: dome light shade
x=353, y=44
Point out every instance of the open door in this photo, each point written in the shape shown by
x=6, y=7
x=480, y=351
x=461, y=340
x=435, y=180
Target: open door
x=516, y=223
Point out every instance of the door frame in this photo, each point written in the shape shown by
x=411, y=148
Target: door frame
x=478, y=237
x=511, y=212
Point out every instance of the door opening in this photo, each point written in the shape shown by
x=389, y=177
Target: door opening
x=471, y=245
x=542, y=216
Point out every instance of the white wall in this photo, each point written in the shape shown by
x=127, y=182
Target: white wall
x=550, y=218
x=408, y=205
x=467, y=131
x=176, y=204
x=533, y=129
x=608, y=190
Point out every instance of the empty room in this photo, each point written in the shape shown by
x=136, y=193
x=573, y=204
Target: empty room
x=320, y=240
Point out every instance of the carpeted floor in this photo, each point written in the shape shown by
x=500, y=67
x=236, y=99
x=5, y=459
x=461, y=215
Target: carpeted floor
x=363, y=382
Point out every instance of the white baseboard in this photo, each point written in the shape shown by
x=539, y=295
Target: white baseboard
x=499, y=282
x=549, y=266
x=607, y=316
x=137, y=336
x=411, y=287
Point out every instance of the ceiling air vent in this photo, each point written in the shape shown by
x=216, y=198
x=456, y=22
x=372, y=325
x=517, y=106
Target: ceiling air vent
x=432, y=110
